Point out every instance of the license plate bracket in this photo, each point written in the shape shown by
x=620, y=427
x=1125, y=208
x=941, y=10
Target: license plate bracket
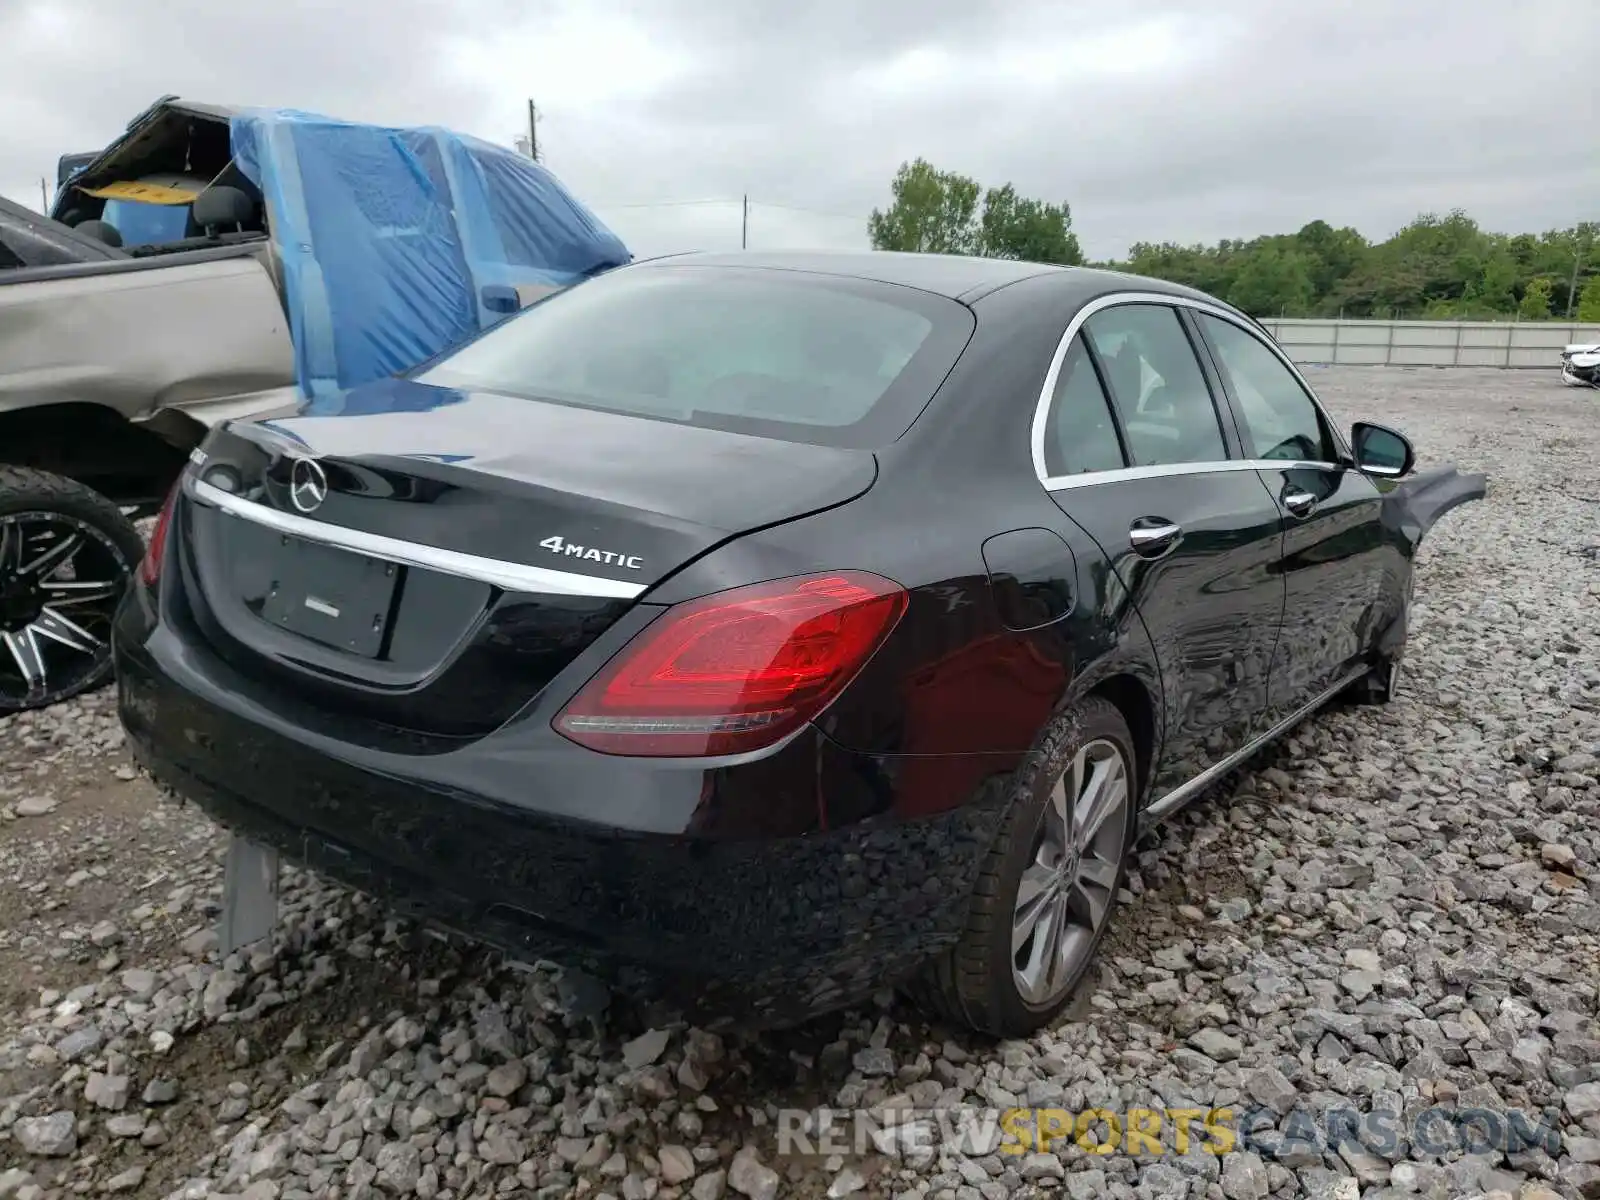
x=331, y=596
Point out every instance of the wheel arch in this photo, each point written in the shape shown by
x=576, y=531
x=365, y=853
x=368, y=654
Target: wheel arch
x=94, y=444
x=1129, y=695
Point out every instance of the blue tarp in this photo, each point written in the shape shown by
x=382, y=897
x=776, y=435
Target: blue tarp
x=400, y=243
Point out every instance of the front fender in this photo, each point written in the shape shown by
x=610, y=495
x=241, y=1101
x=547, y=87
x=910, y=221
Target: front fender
x=1415, y=504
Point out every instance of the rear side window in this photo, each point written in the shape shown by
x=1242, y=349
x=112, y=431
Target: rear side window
x=1281, y=421
x=1080, y=434
x=1166, y=408
x=783, y=354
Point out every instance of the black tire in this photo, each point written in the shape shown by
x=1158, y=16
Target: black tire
x=1377, y=686
x=971, y=984
x=111, y=547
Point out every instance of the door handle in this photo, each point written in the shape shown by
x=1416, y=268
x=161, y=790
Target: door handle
x=1299, y=504
x=1153, y=537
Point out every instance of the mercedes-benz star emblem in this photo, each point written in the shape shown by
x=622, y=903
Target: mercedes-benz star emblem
x=308, y=485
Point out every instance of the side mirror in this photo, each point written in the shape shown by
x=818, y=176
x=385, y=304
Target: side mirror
x=1381, y=451
x=498, y=298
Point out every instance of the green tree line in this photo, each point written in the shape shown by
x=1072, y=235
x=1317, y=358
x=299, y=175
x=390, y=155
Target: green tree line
x=1436, y=267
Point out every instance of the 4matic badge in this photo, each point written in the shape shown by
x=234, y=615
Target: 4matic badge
x=559, y=545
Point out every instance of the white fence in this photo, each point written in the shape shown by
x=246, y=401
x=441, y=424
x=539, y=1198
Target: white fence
x=1428, y=343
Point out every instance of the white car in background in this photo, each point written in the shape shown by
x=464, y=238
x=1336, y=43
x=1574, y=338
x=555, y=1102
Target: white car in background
x=1580, y=365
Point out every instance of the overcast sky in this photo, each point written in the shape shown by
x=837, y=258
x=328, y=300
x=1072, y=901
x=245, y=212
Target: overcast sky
x=1177, y=121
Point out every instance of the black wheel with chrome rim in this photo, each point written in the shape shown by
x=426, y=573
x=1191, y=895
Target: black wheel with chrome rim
x=1049, y=884
x=66, y=556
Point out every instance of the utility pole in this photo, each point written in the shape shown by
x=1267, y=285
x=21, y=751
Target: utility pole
x=44, y=197
x=533, y=132
x=744, y=225
x=1572, y=288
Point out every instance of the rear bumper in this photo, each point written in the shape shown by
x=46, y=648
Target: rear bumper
x=783, y=886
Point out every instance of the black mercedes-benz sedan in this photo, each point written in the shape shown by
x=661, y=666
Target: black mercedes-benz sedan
x=779, y=625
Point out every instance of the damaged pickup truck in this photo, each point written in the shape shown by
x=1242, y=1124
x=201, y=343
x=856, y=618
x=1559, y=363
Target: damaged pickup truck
x=216, y=263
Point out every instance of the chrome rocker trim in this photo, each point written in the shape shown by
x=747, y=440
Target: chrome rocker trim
x=1174, y=800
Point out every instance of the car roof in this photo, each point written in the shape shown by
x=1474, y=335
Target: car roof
x=959, y=277
x=952, y=275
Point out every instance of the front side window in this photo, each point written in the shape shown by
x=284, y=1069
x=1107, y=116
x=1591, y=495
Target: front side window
x=1080, y=434
x=1161, y=395
x=1281, y=420
x=781, y=354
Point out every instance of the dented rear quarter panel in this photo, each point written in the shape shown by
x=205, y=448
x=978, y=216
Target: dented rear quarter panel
x=188, y=331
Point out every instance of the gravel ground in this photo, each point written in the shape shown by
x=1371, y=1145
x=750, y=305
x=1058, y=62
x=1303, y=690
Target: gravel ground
x=1392, y=915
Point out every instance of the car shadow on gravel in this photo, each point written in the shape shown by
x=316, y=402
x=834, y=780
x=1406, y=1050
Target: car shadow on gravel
x=106, y=851
x=219, y=1069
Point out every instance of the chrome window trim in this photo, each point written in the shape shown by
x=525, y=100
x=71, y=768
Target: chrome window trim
x=1057, y=483
x=513, y=577
x=1041, y=410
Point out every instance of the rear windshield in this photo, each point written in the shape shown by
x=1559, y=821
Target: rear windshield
x=144, y=224
x=785, y=354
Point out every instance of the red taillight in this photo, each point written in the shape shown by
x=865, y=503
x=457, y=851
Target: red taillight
x=150, y=564
x=735, y=671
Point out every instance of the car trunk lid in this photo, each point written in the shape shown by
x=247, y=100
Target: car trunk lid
x=434, y=559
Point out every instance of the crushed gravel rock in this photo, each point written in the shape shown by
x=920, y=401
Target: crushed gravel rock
x=1378, y=949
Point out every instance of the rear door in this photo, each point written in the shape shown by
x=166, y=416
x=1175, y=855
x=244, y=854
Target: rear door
x=139, y=334
x=1136, y=454
x=1335, y=552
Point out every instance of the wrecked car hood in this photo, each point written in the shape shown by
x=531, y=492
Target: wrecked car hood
x=1414, y=504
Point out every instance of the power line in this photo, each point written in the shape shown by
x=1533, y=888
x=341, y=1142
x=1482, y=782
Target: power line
x=814, y=212
x=574, y=149
x=752, y=202
x=743, y=204
x=665, y=203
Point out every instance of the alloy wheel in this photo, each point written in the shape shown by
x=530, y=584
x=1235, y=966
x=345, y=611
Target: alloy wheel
x=1068, y=887
x=60, y=582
